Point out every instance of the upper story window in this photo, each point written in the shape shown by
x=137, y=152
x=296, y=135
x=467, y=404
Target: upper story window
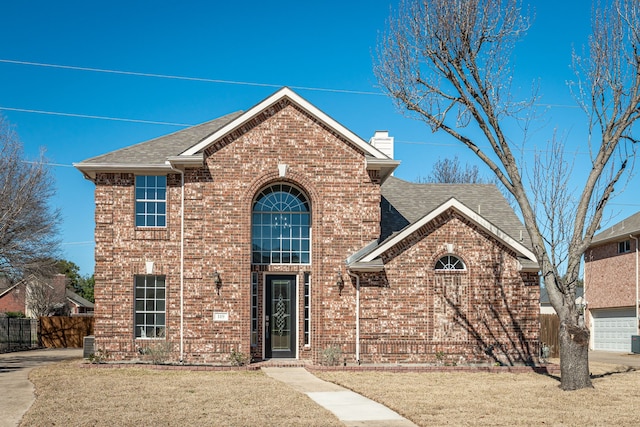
x=281, y=226
x=450, y=262
x=624, y=247
x=151, y=201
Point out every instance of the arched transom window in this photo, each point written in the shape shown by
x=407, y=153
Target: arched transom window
x=450, y=262
x=281, y=226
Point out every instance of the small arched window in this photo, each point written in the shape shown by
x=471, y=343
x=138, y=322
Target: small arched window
x=450, y=262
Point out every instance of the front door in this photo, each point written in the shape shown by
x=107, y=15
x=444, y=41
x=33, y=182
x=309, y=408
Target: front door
x=280, y=317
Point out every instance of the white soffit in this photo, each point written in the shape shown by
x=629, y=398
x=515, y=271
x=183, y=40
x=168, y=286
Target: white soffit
x=301, y=102
x=468, y=213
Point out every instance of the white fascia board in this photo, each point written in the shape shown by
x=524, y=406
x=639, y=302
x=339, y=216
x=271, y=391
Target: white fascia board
x=195, y=160
x=90, y=170
x=469, y=214
x=301, y=102
x=367, y=267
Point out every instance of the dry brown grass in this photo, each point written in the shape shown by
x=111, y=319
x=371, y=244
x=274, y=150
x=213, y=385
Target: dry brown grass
x=68, y=395
x=73, y=396
x=470, y=399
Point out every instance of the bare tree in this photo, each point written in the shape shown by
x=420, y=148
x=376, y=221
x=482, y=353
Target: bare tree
x=450, y=171
x=28, y=225
x=44, y=296
x=448, y=63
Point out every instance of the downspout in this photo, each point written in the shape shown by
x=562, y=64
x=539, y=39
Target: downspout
x=637, y=290
x=357, y=314
x=181, y=172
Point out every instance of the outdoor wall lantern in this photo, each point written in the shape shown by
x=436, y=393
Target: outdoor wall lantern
x=217, y=280
x=339, y=282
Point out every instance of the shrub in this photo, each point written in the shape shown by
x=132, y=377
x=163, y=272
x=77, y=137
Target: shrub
x=331, y=356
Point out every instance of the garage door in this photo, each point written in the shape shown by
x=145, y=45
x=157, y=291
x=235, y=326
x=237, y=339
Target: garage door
x=612, y=329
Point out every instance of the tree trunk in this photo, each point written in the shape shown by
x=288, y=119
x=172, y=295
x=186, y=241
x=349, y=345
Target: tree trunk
x=574, y=356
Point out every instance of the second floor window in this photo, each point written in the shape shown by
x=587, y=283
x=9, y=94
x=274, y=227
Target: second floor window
x=151, y=201
x=624, y=247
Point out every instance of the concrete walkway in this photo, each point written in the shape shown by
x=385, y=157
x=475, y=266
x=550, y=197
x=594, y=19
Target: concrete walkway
x=17, y=390
x=351, y=408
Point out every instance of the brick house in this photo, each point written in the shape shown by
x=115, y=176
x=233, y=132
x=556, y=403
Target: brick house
x=611, y=285
x=279, y=233
x=48, y=294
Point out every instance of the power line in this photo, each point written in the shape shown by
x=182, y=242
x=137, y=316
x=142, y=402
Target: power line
x=187, y=78
x=88, y=116
x=88, y=242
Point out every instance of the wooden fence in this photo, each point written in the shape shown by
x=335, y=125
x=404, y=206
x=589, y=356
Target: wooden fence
x=64, y=331
x=549, y=326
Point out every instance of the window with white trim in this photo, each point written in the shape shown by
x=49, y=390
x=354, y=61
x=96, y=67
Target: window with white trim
x=307, y=309
x=450, y=262
x=151, y=201
x=150, y=310
x=624, y=247
x=254, y=309
x=281, y=226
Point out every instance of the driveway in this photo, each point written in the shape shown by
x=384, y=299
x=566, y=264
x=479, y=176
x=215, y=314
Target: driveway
x=17, y=390
x=625, y=359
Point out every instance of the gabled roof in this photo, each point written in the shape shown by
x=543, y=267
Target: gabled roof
x=187, y=146
x=78, y=300
x=152, y=155
x=625, y=228
x=411, y=201
x=411, y=206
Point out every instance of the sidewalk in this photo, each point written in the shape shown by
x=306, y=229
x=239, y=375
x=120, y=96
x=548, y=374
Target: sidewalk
x=17, y=390
x=351, y=408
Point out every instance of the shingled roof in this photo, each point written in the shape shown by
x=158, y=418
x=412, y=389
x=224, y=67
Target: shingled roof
x=626, y=227
x=407, y=206
x=406, y=202
x=156, y=151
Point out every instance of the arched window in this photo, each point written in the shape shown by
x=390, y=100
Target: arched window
x=281, y=226
x=450, y=262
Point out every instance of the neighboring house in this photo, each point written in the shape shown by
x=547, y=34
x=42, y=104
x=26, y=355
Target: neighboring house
x=279, y=233
x=78, y=305
x=611, y=285
x=35, y=296
x=545, y=303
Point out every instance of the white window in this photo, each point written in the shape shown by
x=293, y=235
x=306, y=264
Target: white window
x=307, y=309
x=254, y=309
x=450, y=262
x=151, y=201
x=150, y=317
x=281, y=226
x=624, y=247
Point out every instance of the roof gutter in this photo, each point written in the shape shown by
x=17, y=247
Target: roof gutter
x=90, y=170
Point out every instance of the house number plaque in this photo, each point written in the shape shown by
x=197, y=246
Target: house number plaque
x=220, y=316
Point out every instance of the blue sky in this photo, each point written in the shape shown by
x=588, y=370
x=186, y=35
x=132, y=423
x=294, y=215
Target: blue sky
x=325, y=44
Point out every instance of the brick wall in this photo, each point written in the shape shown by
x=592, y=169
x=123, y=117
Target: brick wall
x=408, y=313
x=610, y=276
x=13, y=300
x=218, y=200
x=412, y=313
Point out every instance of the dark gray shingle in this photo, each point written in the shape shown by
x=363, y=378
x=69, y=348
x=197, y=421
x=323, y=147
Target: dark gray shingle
x=156, y=151
x=624, y=228
x=406, y=202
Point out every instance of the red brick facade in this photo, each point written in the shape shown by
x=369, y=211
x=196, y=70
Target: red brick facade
x=13, y=300
x=408, y=311
x=610, y=276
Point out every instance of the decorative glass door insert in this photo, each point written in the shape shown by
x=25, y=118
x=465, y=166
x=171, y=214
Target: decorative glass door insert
x=280, y=321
